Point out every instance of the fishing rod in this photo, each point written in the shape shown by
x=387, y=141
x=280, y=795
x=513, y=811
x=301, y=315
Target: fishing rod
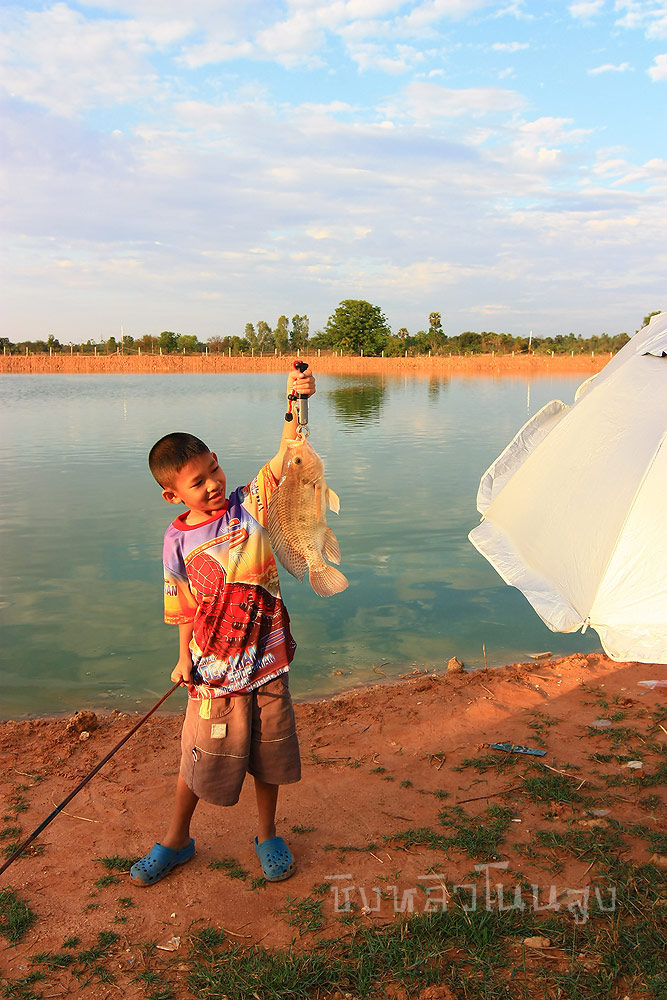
x=91, y=774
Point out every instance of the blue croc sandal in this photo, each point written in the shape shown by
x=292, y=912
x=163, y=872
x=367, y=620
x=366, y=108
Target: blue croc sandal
x=158, y=862
x=276, y=859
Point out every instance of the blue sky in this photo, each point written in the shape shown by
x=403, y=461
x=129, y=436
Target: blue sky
x=198, y=166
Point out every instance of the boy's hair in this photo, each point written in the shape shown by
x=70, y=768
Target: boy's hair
x=168, y=455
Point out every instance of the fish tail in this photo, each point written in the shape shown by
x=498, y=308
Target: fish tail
x=327, y=581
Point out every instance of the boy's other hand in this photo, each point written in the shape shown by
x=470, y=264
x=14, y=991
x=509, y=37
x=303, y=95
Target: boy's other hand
x=301, y=383
x=183, y=670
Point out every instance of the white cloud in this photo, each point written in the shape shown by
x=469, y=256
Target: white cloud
x=196, y=56
x=295, y=40
x=586, y=10
x=425, y=103
x=94, y=63
x=658, y=71
x=247, y=187
x=649, y=15
x=369, y=56
x=430, y=12
x=509, y=46
x=610, y=68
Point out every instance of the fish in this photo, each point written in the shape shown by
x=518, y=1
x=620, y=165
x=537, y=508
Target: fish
x=297, y=523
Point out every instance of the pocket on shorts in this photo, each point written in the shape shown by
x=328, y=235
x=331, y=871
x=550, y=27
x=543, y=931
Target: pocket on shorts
x=215, y=760
x=273, y=719
x=220, y=735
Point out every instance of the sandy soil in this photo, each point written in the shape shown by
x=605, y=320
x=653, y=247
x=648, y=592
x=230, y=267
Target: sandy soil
x=377, y=762
x=523, y=365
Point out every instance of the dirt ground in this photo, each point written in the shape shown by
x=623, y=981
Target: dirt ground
x=519, y=365
x=377, y=762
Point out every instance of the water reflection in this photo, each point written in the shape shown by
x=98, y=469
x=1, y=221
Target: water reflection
x=436, y=385
x=81, y=527
x=358, y=401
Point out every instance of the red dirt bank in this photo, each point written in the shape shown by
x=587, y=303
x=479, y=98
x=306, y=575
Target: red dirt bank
x=147, y=364
x=377, y=762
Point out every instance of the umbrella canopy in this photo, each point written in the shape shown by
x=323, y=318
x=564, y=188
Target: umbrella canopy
x=573, y=511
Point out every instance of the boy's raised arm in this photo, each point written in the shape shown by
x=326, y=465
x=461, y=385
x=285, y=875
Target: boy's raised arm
x=302, y=384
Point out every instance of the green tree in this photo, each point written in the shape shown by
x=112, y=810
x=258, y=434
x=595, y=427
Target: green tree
x=264, y=336
x=436, y=337
x=167, y=342
x=146, y=344
x=187, y=342
x=111, y=345
x=358, y=325
x=394, y=346
x=53, y=344
x=281, y=334
x=250, y=336
x=300, y=331
x=647, y=319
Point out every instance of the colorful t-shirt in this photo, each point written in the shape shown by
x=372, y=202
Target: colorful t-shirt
x=221, y=576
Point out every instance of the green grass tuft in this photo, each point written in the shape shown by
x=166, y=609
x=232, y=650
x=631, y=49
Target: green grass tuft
x=16, y=917
x=230, y=867
x=117, y=863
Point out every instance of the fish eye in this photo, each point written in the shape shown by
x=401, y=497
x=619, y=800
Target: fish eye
x=297, y=461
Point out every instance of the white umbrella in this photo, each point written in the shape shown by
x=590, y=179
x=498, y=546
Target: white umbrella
x=573, y=511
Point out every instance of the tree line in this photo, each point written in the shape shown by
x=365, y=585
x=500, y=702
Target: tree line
x=356, y=326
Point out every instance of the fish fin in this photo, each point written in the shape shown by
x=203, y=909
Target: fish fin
x=327, y=581
x=333, y=500
x=331, y=546
x=284, y=552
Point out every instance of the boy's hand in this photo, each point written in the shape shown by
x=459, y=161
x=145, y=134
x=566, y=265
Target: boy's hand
x=183, y=670
x=300, y=383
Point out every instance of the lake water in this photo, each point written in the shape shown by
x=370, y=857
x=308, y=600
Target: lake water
x=81, y=527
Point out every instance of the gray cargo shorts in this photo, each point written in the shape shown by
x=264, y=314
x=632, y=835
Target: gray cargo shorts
x=225, y=738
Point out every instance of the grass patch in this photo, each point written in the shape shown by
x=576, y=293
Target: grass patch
x=499, y=762
x=22, y=988
x=10, y=833
x=106, y=880
x=423, y=836
x=545, y=786
x=16, y=917
x=230, y=867
x=351, y=848
x=18, y=803
x=305, y=914
x=479, y=837
x=117, y=863
x=600, y=844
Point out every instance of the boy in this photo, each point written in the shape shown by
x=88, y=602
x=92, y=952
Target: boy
x=235, y=646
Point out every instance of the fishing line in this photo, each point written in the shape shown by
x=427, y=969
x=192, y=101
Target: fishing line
x=91, y=774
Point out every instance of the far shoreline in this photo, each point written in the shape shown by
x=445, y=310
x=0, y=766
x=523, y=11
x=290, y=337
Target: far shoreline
x=502, y=365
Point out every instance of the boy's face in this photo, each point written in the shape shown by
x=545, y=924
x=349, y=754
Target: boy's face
x=200, y=485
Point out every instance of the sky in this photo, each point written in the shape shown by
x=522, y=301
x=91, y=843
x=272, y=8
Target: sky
x=197, y=166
